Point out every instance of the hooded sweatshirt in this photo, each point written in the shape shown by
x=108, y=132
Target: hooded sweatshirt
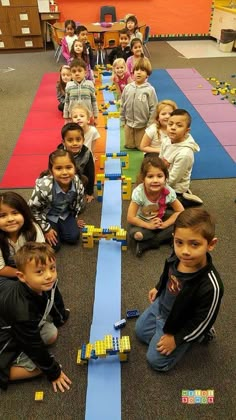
x=138, y=103
x=179, y=158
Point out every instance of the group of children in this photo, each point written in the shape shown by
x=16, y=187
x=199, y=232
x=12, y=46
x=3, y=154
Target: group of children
x=186, y=301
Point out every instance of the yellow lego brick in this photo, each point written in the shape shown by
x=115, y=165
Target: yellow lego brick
x=125, y=344
x=100, y=348
x=108, y=342
x=38, y=396
x=89, y=348
x=124, y=248
x=79, y=361
x=123, y=357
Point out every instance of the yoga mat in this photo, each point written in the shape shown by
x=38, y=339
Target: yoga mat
x=40, y=135
x=215, y=160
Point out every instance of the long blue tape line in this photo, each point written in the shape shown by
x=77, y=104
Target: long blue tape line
x=103, y=400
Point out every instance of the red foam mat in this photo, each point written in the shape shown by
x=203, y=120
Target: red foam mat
x=40, y=135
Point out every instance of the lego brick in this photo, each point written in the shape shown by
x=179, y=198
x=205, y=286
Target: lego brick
x=38, y=396
x=120, y=324
x=132, y=313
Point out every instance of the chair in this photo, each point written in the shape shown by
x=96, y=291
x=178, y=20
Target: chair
x=56, y=35
x=108, y=14
x=110, y=40
x=146, y=40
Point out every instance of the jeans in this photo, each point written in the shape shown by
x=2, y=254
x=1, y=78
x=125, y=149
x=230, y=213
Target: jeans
x=149, y=329
x=67, y=231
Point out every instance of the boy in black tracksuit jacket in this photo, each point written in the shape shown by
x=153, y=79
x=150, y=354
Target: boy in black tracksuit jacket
x=25, y=326
x=72, y=141
x=186, y=301
x=123, y=50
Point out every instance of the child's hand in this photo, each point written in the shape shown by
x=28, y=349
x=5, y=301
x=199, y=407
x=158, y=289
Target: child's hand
x=166, y=344
x=80, y=223
x=51, y=237
x=61, y=383
x=89, y=198
x=152, y=294
x=155, y=223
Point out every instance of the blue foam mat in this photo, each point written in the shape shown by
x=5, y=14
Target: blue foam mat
x=212, y=161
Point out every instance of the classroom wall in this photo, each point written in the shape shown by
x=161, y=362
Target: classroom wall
x=165, y=17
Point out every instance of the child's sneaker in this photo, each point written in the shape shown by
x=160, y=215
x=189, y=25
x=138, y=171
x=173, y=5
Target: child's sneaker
x=191, y=197
x=209, y=336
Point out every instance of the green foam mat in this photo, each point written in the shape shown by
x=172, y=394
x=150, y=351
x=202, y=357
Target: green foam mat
x=135, y=158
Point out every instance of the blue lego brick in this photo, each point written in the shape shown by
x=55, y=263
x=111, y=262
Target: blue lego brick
x=120, y=324
x=84, y=230
x=106, y=73
x=132, y=313
x=105, y=113
x=122, y=154
x=122, y=164
x=93, y=355
x=83, y=351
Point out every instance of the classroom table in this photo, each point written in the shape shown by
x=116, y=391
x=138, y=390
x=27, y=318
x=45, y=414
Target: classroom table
x=97, y=27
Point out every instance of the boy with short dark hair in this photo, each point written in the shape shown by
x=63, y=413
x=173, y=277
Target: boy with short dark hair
x=73, y=141
x=31, y=309
x=138, y=102
x=80, y=90
x=123, y=50
x=186, y=301
x=177, y=151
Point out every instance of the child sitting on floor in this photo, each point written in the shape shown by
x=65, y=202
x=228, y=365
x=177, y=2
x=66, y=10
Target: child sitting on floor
x=154, y=133
x=186, y=301
x=31, y=309
x=65, y=76
x=81, y=115
x=73, y=141
x=17, y=226
x=57, y=200
x=177, y=151
x=146, y=213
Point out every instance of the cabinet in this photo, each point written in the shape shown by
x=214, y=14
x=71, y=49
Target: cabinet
x=20, y=25
x=222, y=20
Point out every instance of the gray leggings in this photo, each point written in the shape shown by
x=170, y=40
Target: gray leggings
x=152, y=238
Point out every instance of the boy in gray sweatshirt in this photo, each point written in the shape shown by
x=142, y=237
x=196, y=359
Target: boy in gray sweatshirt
x=138, y=102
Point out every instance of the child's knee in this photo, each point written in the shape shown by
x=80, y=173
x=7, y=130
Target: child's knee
x=157, y=361
x=138, y=236
x=52, y=339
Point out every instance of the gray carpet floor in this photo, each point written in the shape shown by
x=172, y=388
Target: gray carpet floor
x=145, y=393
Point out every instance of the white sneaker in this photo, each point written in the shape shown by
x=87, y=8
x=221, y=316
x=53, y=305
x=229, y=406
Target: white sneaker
x=191, y=197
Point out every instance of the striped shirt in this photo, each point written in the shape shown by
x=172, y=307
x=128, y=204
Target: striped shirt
x=84, y=93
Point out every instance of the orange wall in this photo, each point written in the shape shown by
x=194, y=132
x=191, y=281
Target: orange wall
x=164, y=16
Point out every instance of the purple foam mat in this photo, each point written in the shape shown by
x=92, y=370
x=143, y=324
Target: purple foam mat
x=183, y=73
x=194, y=83
x=231, y=151
x=224, y=132
x=204, y=97
x=217, y=112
